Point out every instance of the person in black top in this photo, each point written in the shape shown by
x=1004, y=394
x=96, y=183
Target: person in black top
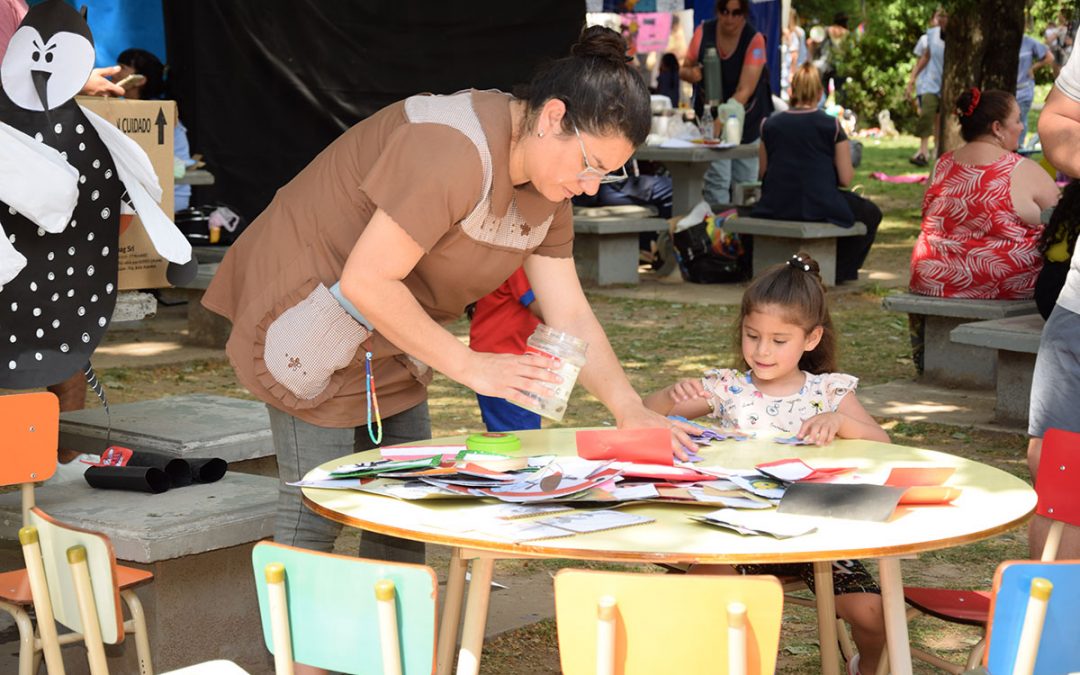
x=805, y=159
x=743, y=77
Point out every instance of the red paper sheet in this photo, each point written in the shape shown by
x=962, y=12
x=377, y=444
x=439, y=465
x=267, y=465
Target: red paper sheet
x=641, y=446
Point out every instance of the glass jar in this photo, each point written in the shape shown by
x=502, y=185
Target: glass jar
x=570, y=351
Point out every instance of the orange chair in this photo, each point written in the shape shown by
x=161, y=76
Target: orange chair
x=30, y=427
x=633, y=624
x=1056, y=482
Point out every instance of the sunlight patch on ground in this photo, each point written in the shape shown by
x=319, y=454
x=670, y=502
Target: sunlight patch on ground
x=140, y=348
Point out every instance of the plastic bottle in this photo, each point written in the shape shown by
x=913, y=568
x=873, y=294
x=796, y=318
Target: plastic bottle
x=708, y=127
x=570, y=351
x=732, y=129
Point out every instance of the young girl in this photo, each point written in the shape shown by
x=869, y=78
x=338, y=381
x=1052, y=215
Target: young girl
x=790, y=388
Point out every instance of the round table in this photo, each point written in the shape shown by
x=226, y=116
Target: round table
x=992, y=501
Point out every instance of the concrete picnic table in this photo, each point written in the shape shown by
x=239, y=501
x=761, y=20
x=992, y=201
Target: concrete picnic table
x=687, y=167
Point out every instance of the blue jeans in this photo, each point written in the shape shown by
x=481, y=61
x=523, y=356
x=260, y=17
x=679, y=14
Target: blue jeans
x=723, y=174
x=1025, y=108
x=301, y=447
x=502, y=415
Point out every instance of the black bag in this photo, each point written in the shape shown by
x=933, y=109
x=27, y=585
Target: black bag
x=708, y=255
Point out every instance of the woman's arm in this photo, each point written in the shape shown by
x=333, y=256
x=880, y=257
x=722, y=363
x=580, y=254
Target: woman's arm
x=748, y=78
x=690, y=70
x=1059, y=129
x=555, y=283
x=845, y=172
x=372, y=280
x=1032, y=190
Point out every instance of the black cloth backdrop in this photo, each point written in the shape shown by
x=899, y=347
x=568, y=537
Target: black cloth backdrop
x=264, y=85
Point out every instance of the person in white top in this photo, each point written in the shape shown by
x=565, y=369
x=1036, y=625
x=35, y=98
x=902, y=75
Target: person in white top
x=925, y=81
x=1055, y=386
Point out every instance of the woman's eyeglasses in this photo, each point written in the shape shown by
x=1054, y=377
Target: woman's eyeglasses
x=724, y=11
x=593, y=174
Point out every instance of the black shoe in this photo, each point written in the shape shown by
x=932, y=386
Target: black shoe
x=918, y=160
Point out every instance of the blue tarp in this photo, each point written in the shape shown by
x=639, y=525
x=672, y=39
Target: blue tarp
x=120, y=24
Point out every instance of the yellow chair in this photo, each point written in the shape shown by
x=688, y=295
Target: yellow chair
x=73, y=581
x=30, y=425
x=635, y=624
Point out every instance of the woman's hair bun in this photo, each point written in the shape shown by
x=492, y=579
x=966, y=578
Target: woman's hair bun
x=601, y=43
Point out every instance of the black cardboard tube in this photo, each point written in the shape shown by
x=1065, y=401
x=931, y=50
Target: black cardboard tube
x=207, y=469
x=131, y=478
x=178, y=470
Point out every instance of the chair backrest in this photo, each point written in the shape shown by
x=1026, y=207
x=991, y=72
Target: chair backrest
x=1059, y=648
x=666, y=623
x=30, y=427
x=56, y=539
x=1058, y=476
x=332, y=609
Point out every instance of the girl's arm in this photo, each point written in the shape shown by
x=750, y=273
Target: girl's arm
x=686, y=398
x=849, y=421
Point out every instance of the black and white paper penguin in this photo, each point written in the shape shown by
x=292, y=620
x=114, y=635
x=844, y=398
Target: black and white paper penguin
x=64, y=173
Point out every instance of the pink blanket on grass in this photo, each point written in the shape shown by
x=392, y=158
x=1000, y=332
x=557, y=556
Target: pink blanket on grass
x=902, y=178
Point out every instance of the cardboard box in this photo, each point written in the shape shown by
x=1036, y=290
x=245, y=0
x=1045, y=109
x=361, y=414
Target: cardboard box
x=151, y=124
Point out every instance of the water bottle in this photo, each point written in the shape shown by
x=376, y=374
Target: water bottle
x=708, y=127
x=732, y=130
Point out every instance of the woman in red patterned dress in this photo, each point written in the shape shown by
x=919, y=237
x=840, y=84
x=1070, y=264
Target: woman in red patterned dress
x=980, y=227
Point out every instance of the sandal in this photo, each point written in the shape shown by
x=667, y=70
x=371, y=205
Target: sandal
x=918, y=160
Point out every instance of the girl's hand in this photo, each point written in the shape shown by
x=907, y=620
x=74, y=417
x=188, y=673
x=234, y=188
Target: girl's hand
x=821, y=429
x=509, y=376
x=687, y=390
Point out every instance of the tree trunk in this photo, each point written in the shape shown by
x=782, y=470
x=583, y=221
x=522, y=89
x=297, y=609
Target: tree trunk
x=982, y=49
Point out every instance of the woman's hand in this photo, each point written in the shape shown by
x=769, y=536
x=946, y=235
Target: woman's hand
x=510, y=376
x=821, y=429
x=641, y=417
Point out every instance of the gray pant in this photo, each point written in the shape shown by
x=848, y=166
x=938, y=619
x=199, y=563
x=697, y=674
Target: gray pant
x=301, y=447
x=723, y=174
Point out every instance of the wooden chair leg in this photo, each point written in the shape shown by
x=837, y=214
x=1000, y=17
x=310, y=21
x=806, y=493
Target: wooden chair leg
x=137, y=627
x=84, y=594
x=605, y=635
x=389, y=643
x=976, y=655
x=1053, y=540
x=736, y=612
x=26, y=636
x=279, y=619
x=39, y=589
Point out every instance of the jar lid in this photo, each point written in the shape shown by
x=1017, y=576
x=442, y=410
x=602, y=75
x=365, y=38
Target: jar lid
x=493, y=442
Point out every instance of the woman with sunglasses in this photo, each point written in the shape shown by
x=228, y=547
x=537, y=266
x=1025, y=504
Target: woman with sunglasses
x=347, y=279
x=743, y=77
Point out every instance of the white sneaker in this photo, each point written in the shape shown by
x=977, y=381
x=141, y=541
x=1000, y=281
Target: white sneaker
x=73, y=470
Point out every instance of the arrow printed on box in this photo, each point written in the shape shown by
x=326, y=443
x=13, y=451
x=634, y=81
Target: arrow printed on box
x=160, y=124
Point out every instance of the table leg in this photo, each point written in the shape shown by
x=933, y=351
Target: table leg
x=687, y=181
x=896, y=628
x=451, y=615
x=826, y=618
x=472, y=633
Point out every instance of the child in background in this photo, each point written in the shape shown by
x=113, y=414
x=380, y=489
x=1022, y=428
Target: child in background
x=501, y=323
x=790, y=387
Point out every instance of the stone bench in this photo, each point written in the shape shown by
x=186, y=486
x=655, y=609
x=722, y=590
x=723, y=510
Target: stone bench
x=197, y=541
x=954, y=363
x=606, y=242
x=133, y=306
x=205, y=328
x=194, y=425
x=775, y=241
x=1016, y=341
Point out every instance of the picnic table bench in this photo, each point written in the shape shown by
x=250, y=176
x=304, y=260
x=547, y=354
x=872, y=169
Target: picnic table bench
x=1016, y=341
x=946, y=361
x=606, y=242
x=775, y=241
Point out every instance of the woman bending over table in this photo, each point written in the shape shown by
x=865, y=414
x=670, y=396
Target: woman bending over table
x=787, y=385
x=804, y=159
x=418, y=211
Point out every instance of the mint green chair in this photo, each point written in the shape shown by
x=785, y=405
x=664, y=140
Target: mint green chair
x=345, y=614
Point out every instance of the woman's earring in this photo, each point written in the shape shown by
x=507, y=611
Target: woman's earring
x=540, y=133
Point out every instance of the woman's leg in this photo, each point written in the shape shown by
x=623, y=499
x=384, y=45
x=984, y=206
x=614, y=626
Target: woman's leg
x=301, y=447
x=413, y=424
x=851, y=252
